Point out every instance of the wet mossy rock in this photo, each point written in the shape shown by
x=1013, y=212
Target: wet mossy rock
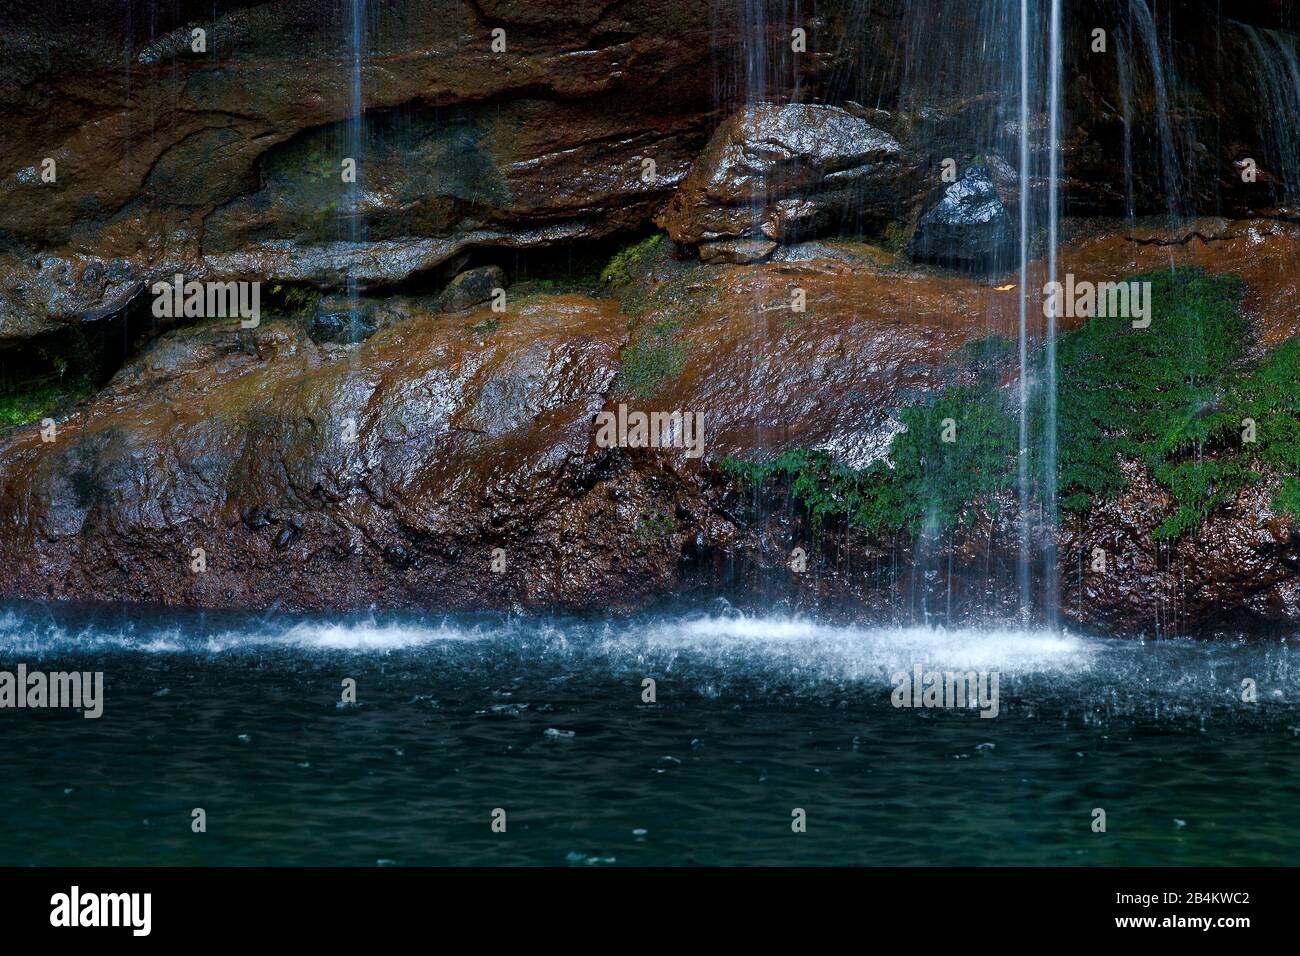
x=476, y=431
x=227, y=162
x=364, y=447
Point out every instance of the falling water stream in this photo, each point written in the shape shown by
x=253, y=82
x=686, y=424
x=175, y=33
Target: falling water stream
x=1022, y=569
x=355, y=147
x=1142, y=21
x=1050, y=586
x=1278, y=72
x=1125, y=78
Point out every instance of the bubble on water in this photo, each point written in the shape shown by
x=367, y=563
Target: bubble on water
x=574, y=858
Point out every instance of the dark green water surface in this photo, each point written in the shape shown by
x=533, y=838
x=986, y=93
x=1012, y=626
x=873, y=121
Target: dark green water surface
x=544, y=718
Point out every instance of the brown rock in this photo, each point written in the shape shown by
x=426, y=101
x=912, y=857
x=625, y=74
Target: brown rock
x=476, y=431
x=227, y=163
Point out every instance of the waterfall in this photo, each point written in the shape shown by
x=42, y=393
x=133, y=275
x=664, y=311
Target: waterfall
x=355, y=136
x=1036, y=391
x=1022, y=567
x=1050, y=584
x=1126, y=105
x=1278, y=76
x=1141, y=20
x=988, y=76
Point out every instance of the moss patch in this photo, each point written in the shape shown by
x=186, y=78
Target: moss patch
x=658, y=526
x=1160, y=396
x=1177, y=397
x=1270, y=397
x=37, y=400
x=652, y=358
x=626, y=263
x=927, y=481
x=294, y=300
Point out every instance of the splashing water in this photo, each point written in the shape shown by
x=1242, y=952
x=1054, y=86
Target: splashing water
x=548, y=717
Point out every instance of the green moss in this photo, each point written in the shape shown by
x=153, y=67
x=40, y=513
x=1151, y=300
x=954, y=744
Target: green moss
x=1173, y=397
x=652, y=358
x=294, y=299
x=926, y=481
x=624, y=265
x=992, y=348
x=987, y=358
x=658, y=526
x=37, y=400
x=1287, y=498
x=894, y=236
x=1154, y=395
x=1270, y=397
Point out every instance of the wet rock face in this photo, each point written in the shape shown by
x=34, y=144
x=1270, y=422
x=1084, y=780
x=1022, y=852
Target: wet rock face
x=968, y=229
x=736, y=251
x=787, y=172
x=226, y=164
x=329, y=476
x=339, y=322
x=1239, y=572
x=324, y=475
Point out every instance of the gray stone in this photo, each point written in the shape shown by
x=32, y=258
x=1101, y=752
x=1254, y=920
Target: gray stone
x=736, y=250
x=968, y=229
x=789, y=172
x=471, y=288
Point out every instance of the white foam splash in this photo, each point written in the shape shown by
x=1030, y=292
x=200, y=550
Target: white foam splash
x=366, y=635
x=864, y=651
x=22, y=635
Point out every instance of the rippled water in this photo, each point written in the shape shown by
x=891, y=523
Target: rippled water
x=754, y=717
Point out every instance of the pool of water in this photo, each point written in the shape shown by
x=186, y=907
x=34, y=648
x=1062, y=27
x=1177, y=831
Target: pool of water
x=545, y=719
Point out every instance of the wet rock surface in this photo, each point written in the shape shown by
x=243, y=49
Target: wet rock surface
x=227, y=163
x=377, y=445
x=472, y=288
x=788, y=172
x=325, y=476
x=320, y=475
x=968, y=229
